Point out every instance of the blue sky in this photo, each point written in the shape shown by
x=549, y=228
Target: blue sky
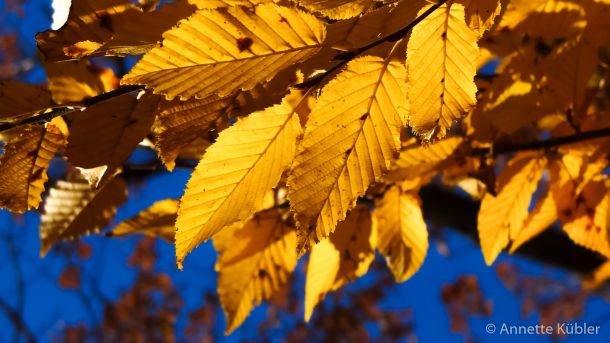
x=47, y=308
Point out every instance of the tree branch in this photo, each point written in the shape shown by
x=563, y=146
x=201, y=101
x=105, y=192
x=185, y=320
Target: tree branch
x=18, y=323
x=69, y=108
x=499, y=149
x=447, y=209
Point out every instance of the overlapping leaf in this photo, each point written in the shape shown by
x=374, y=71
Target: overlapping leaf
x=20, y=100
x=156, y=221
x=402, y=233
x=104, y=135
x=227, y=49
x=24, y=164
x=73, y=81
x=480, y=14
x=416, y=159
x=255, y=261
x=541, y=218
x=501, y=217
x=351, y=139
x=74, y=208
x=180, y=123
x=441, y=65
x=231, y=180
x=341, y=258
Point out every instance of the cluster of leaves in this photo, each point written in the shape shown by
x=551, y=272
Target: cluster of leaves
x=315, y=124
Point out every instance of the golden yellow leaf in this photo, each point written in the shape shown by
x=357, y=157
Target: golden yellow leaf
x=416, y=159
x=180, y=123
x=549, y=19
x=24, y=164
x=337, y=9
x=351, y=139
x=104, y=135
x=341, y=258
x=73, y=81
x=541, y=218
x=441, y=65
x=501, y=217
x=156, y=221
x=74, y=208
x=231, y=179
x=19, y=100
x=402, y=233
x=254, y=261
x=480, y=14
x=213, y=52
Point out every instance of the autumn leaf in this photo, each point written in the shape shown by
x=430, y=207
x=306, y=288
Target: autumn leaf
x=417, y=159
x=110, y=27
x=480, y=14
x=501, y=217
x=540, y=218
x=402, y=233
x=341, y=258
x=73, y=208
x=20, y=100
x=24, y=165
x=180, y=123
x=255, y=260
x=104, y=135
x=229, y=183
x=74, y=81
x=351, y=139
x=228, y=56
x=156, y=221
x=441, y=65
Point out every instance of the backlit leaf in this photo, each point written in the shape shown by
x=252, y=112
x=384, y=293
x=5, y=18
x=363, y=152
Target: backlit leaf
x=501, y=217
x=441, y=65
x=156, y=221
x=402, y=233
x=341, y=258
x=74, y=208
x=231, y=179
x=104, y=135
x=351, y=139
x=212, y=52
x=255, y=261
x=24, y=164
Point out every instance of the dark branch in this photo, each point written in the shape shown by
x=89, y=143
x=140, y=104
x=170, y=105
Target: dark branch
x=447, y=209
x=17, y=321
x=499, y=149
x=61, y=111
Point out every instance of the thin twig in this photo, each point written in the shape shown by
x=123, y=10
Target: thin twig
x=69, y=108
x=20, y=326
x=347, y=56
x=500, y=149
